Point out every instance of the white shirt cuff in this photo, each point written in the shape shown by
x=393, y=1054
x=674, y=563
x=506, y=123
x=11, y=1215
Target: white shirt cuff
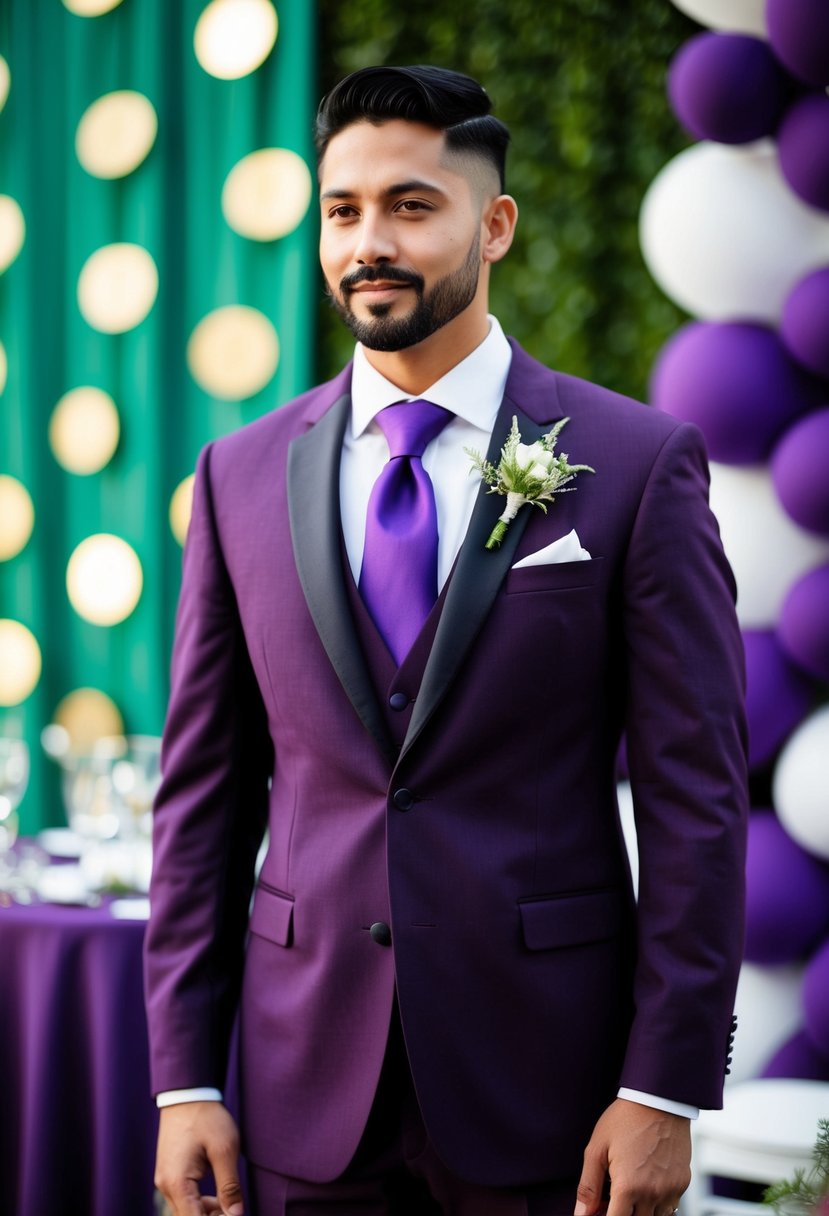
x=172, y=1096
x=666, y=1104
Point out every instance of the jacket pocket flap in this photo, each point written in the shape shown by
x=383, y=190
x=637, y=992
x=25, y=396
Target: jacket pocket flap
x=273, y=915
x=571, y=920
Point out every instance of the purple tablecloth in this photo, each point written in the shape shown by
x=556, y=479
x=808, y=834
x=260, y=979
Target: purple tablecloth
x=77, y=1125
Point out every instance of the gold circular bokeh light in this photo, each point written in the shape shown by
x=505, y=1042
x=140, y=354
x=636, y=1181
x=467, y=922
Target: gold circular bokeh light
x=116, y=133
x=5, y=82
x=233, y=352
x=267, y=193
x=17, y=517
x=104, y=579
x=181, y=508
x=84, y=430
x=87, y=714
x=91, y=8
x=20, y=662
x=117, y=287
x=233, y=37
x=12, y=231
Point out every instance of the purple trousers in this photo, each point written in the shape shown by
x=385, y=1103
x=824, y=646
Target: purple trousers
x=396, y=1171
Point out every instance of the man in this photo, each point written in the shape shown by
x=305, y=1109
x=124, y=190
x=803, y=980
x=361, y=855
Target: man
x=449, y=1001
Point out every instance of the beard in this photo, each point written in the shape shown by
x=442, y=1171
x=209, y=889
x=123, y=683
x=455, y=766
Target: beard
x=432, y=310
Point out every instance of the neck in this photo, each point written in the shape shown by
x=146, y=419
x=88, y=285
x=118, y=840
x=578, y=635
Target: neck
x=413, y=370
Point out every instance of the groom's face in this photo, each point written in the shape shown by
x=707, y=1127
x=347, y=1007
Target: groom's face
x=400, y=231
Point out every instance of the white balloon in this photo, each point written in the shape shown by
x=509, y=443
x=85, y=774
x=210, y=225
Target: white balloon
x=768, y=552
x=747, y=16
x=725, y=237
x=800, y=788
x=768, y=1012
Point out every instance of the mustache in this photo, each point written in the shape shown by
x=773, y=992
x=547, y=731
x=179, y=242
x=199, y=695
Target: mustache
x=385, y=274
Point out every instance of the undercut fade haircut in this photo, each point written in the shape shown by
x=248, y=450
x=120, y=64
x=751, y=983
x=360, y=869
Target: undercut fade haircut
x=437, y=97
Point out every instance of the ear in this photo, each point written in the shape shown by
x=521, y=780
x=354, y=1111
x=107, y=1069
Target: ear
x=498, y=221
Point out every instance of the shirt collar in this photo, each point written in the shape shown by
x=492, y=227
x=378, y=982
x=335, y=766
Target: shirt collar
x=472, y=389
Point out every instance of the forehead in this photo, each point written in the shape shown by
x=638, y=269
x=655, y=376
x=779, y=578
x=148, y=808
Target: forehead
x=368, y=157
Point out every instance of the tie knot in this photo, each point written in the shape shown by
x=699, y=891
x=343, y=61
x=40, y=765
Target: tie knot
x=410, y=426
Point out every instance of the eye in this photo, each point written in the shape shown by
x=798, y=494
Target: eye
x=411, y=205
x=343, y=211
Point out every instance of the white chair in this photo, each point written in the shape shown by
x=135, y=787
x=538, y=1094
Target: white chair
x=766, y=1131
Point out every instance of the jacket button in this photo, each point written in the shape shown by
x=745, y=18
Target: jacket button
x=398, y=700
x=403, y=799
x=380, y=933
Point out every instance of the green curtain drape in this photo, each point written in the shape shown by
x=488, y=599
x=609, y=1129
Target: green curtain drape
x=60, y=63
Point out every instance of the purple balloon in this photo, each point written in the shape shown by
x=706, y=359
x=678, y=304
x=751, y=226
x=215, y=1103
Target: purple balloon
x=816, y=999
x=799, y=33
x=798, y=1058
x=778, y=696
x=727, y=87
x=803, y=629
x=805, y=322
x=803, y=148
x=800, y=471
x=736, y=382
x=787, y=895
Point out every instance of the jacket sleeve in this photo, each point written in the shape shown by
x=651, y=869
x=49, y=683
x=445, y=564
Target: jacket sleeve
x=686, y=740
x=209, y=819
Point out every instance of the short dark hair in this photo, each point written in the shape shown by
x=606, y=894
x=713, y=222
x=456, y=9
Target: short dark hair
x=437, y=97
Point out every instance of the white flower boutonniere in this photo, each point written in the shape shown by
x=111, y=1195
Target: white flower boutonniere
x=530, y=473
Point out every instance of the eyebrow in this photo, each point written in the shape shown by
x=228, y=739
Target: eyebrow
x=413, y=185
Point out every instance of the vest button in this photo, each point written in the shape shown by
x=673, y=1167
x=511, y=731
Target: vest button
x=403, y=799
x=380, y=933
x=398, y=700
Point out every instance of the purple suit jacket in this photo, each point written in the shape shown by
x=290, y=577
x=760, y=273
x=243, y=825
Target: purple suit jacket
x=530, y=986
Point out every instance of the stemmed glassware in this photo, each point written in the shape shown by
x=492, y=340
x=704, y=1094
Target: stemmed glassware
x=14, y=777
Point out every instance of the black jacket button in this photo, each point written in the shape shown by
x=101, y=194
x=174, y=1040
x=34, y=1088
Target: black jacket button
x=380, y=933
x=398, y=700
x=403, y=799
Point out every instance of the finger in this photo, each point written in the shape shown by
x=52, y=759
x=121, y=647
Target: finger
x=184, y=1198
x=228, y=1190
x=591, y=1185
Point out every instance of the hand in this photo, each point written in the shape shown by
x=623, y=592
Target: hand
x=646, y=1153
x=194, y=1137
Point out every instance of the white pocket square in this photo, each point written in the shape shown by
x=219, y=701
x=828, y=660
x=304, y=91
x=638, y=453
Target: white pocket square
x=565, y=549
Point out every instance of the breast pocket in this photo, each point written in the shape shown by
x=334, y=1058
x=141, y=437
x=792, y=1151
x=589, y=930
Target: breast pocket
x=558, y=576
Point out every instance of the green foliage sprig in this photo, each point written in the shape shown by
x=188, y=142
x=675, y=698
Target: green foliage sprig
x=809, y=1190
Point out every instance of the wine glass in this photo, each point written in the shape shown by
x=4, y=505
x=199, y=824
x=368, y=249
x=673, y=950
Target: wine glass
x=14, y=777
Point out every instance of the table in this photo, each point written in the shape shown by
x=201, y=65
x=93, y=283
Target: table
x=77, y=1124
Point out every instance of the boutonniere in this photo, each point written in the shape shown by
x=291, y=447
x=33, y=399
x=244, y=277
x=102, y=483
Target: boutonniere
x=526, y=472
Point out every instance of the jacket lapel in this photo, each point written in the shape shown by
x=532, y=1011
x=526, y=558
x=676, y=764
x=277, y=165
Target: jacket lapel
x=314, y=511
x=479, y=572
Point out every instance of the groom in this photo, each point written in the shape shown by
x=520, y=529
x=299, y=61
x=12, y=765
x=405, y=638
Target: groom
x=448, y=998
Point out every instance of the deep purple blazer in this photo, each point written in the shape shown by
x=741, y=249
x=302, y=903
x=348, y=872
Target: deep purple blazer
x=529, y=984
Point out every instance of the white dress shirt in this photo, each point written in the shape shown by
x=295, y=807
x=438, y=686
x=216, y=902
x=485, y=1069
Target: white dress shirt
x=472, y=391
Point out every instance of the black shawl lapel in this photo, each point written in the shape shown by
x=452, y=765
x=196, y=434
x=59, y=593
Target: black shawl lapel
x=475, y=581
x=314, y=510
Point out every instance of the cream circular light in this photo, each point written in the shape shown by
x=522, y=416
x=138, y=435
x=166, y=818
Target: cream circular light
x=84, y=430
x=4, y=367
x=104, y=579
x=12, y=231
x=233, y=352
x=116, y=133
x=91, y=8
x=117, y=287
x=267, y=193
x=20, y=662
x=17, y=517
x=233, y=37
x=5, y=81
x=181, y=508
x=87, y=714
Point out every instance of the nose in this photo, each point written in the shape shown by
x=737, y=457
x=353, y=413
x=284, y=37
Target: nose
x=375, y=243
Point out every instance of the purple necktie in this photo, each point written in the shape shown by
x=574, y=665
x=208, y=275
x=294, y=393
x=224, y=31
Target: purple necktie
x=398, y=580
